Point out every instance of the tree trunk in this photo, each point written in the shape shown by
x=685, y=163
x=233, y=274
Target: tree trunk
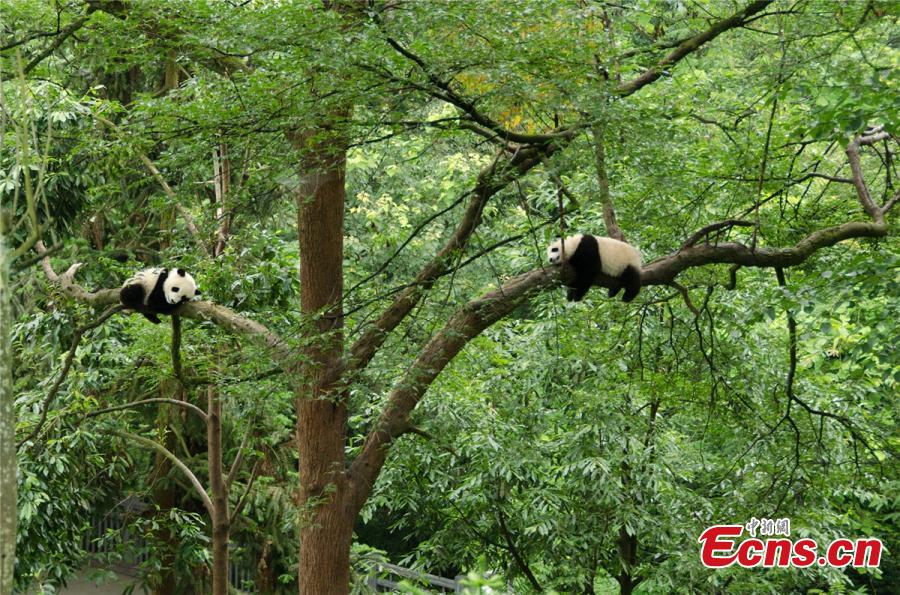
x=325, y=502
x=220, y=523
x=165, y=492
x=627, y=558
x=7, y=432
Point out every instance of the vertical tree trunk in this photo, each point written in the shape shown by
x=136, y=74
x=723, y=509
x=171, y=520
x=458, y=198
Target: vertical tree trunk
x=628, y=558
x=165, y=492
x=7, y=432
x=220, y=523
x=324, y=500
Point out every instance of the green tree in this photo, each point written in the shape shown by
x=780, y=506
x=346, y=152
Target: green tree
x=414, y=143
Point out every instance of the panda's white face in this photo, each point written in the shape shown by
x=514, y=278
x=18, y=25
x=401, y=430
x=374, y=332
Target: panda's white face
x=554, y=250
x=553, y=253
x=179, y=287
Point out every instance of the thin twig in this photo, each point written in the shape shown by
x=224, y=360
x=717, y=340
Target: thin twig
x=177, y=402
x=201, y=491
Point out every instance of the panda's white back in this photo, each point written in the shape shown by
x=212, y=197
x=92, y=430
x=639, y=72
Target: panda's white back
x=615, y=256
x=146, y=278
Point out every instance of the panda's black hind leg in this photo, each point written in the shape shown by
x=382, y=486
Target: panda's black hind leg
x=613, y=291
x=631, y=278
x=151, y=317
x=132, y=296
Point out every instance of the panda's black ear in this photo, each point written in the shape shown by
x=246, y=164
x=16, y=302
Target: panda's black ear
x=181, y=272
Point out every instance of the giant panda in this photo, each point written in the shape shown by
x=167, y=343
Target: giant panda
x=590, y=255
x=158, y=291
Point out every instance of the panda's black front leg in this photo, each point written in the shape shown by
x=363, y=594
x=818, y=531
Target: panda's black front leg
x=151, y=317
x=577, y=293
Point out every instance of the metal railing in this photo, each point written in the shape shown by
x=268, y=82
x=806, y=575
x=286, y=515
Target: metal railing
x=109, y=532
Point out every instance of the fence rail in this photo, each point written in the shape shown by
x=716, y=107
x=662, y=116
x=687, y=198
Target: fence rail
x=109, y=532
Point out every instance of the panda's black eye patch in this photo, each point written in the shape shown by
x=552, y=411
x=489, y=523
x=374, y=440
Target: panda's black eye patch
x=174, y=290
x=555, y=250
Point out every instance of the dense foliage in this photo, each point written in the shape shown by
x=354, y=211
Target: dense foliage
x=568, y=447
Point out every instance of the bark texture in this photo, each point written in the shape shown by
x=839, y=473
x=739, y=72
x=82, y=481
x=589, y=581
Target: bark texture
x=7, y=432
x=220, y=523
x=327, y=530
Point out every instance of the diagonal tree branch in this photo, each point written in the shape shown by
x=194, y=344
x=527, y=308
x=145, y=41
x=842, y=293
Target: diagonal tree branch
x=690, y=45
x=467, y=323
x=64, y=34
x=198, y=487
x=481, y=313
x=154, y=171
x=862, y=190
x=491, y=180
x=440, y=88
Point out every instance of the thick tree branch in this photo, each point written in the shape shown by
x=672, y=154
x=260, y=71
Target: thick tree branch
x=481, y=313
x=467, y=323
x=491, y=180
x=690, y=45
x=489, y=183
x=665, y=269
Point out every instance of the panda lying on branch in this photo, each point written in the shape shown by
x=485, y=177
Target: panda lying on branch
x=158, y=291
x=591, y=255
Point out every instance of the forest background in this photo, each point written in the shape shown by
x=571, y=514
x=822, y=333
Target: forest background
x=383, y=366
